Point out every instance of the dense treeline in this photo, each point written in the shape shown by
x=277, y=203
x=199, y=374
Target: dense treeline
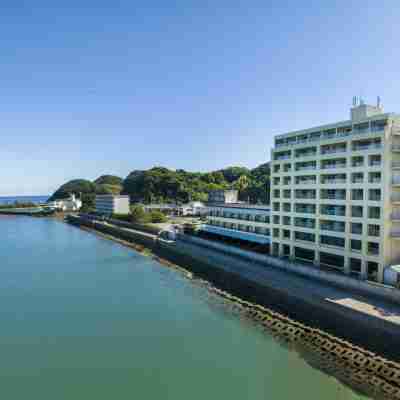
x=161, y=184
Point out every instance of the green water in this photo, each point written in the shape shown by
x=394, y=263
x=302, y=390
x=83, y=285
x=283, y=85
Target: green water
x=84, y=318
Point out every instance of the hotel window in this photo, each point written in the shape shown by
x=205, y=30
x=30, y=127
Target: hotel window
x=357, y=161
x=287, y=207
x=277, y=168
x=287, y=167
x=286, y=194
x=355, y=266
x=277, y=206
x=286, y=234
x=374, y=212
x=287, y=180
x=275, y=232
x=308, y=237
x=277, y=180
x=286, y=220
x=375, y=194
x=277, y=193
x=355, y=245
x=356, y=211
x=374, y=161
x=276, y=219
x=331, y=260
x=372, y=271
x=373, y=248
x=357, y=177
x=374, y=177
x=373, y=230
x=332, y=241
x=357, y=194
x=356, y=228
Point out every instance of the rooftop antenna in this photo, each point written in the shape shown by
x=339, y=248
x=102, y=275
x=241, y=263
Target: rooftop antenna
x=354, y=101
x=378, y=101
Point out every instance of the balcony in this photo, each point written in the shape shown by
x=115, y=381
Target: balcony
x=395, y=147
x=367, y=147
x=333, y=166
x=333, y=212
x=309, y=225
x=333, y=228
x=305, y=210
x=307, y=168
x=333, y=197
x=395, y=164
x=333, y=181
x=333, y=151
x=396, y=180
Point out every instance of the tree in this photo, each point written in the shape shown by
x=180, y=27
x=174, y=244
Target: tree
x=157, y=217
x=242, y=183
x=138, y=215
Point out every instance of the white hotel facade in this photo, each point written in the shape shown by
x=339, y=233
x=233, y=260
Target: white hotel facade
x=335, y=194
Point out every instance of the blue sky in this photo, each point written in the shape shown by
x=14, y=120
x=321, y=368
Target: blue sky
x=94, y=87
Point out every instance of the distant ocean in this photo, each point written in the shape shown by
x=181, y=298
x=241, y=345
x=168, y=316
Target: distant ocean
x=23, y=199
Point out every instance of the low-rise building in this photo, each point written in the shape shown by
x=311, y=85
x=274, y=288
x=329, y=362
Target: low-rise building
x=112, y=204
x=249, y=223
x=221, y=196
x=67, y=205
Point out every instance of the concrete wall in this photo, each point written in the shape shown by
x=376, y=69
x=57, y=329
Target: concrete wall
x=378, y=291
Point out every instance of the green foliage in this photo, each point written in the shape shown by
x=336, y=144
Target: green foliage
x=122, y=217
x=157, y=217
x=109, y=180
x=162, y=185
x=138, y=215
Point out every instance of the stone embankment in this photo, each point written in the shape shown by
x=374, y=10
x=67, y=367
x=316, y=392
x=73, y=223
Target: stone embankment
x=355, y=364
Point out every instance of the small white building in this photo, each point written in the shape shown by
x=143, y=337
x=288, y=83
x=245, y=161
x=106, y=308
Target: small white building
x=67, y=205
x=192, y=208
x=112, y=204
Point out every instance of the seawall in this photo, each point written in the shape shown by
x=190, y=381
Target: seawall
x=270, y=287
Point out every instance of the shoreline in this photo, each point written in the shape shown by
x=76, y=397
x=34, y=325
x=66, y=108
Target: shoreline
x=359, y=368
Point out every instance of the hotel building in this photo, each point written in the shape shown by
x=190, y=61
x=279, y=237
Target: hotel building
x=335, y=194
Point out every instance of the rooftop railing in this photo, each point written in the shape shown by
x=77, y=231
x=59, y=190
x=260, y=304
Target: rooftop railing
x=331, y=136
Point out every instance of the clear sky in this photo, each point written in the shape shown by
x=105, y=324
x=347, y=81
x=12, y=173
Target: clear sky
x=94, y=86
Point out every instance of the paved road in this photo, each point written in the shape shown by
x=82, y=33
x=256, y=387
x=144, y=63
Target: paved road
x=306, y=287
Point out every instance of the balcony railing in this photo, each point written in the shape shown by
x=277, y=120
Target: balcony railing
x=307, y=168
x=375, y=163
x=332, y=228
x=367, y=147
x=309, y=225
x=305, y=211
x=332, y=197
x=395, y=164
x=333, y=151
x=396, y=147
x=326, y=136
x=333, y=181
x=336, y=213
x=280, y=158
x=333, y=166
x=306, y=196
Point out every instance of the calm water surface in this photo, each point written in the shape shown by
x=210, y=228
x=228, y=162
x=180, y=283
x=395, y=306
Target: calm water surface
x=84, y=318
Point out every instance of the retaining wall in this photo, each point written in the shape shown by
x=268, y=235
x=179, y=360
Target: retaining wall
x=379, y=291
